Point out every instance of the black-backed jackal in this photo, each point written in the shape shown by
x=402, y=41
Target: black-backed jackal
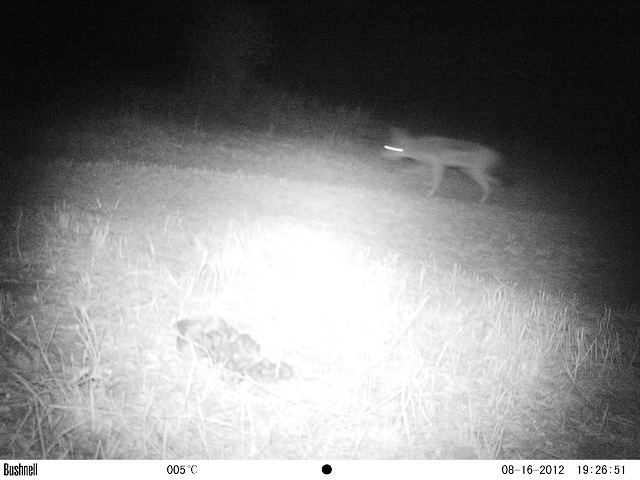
x=475, y=160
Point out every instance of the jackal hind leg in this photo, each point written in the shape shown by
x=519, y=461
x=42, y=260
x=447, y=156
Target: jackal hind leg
x=438, y=173
x=482, y=179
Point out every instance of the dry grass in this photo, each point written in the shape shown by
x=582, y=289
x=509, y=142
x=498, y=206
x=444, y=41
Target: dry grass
x=393, y=357
x=387, y=365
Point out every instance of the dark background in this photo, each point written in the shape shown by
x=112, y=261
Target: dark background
x=560, y=71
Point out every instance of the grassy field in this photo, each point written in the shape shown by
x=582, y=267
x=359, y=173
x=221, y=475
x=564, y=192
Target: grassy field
x=415, y=328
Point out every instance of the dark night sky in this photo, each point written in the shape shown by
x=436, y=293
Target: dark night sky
x=553, y=64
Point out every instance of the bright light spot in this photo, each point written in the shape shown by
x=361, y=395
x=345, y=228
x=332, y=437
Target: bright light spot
x=320, y=295
x=393, y=149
